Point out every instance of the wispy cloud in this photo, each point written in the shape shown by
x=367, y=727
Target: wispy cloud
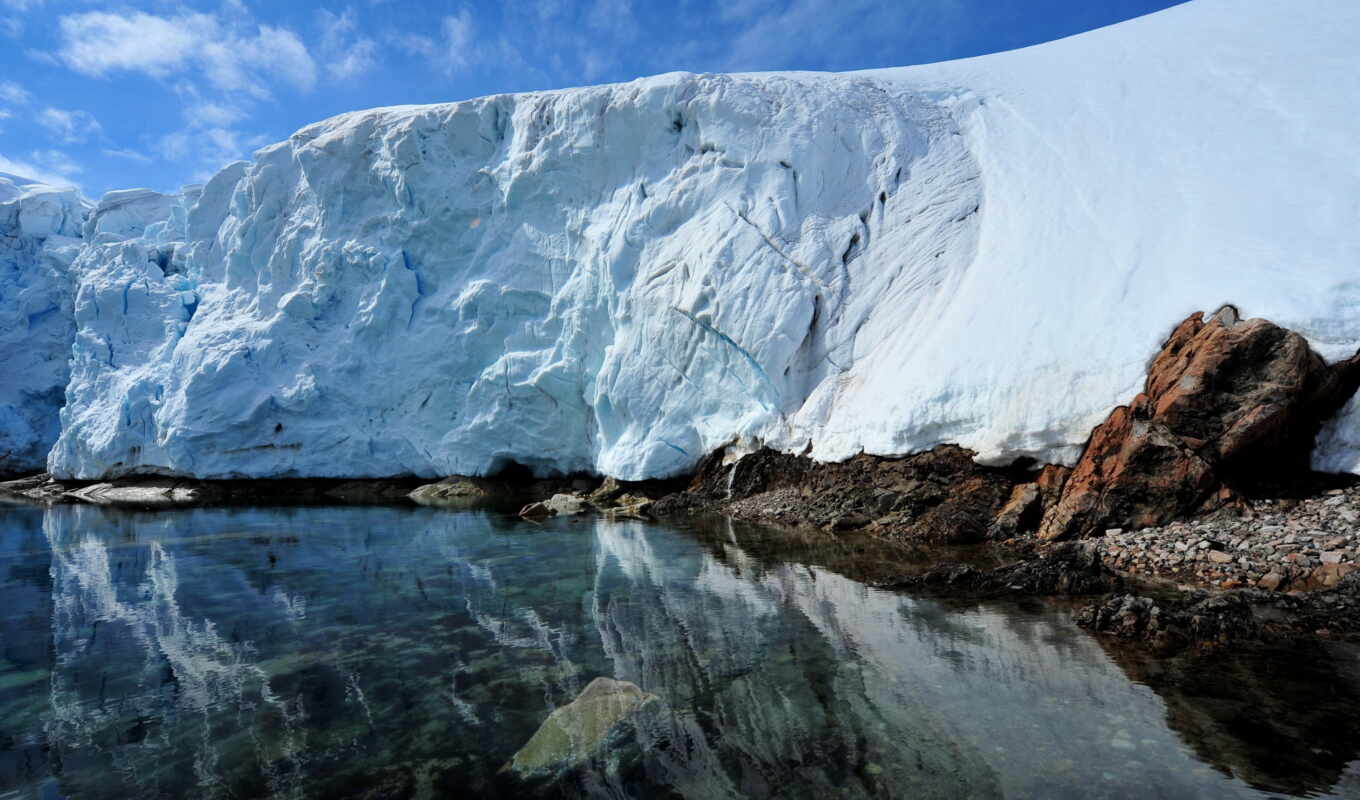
x=453, y=49
x=344, y=52
x=222, y=65
x=32, y=169
x=207, y=148
x=13, y=93
x=70, y=127
x=56, y=161
x=127, y=154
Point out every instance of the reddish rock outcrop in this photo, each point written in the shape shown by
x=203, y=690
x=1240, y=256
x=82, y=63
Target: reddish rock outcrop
x=1228, y=405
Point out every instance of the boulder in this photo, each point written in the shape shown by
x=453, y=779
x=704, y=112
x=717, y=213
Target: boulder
x=630, y=505
x=35, y=488
x=1228, y=405
x=1022, y=508
x=607, y=492
x=456, y=490
x=574, y=732
x=143, y=493
x=557, y=505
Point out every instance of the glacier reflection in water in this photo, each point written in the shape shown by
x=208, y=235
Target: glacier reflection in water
x=384, y=652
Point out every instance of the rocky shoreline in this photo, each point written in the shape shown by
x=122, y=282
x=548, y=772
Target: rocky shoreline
x=1192, y=515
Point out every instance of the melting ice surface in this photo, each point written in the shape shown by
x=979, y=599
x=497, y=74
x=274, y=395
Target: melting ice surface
x=382, y=652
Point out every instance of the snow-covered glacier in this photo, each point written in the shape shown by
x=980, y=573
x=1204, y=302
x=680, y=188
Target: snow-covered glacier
x=39, y=236
x=619, y=279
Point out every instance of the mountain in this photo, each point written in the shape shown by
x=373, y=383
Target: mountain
x=622, y=278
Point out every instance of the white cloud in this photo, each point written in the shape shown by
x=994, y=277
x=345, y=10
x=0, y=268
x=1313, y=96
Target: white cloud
x=458, y=33
x=13, y=93
x=56, y=162
x=130, y=155
x=98, y=42
x=221, y=65
x=209, y=149
x=21, y=5
x=209, y=114
x=69, y=126
x=27, y=169
x=454, y=50
x=345, y=53
x=235, y=57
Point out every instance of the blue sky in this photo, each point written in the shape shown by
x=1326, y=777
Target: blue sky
x=161, y=93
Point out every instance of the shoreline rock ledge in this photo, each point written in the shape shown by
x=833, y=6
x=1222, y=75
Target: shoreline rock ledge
x=1230, y=408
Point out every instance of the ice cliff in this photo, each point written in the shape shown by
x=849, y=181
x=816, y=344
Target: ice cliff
x=39, y=236
x=621, y=278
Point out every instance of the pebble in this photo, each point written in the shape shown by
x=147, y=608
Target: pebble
x=1278, y=546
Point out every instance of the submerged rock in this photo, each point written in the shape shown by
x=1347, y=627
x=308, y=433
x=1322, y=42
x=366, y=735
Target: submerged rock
x=575, y=731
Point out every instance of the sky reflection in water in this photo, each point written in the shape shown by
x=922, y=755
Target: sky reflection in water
x=384, y=652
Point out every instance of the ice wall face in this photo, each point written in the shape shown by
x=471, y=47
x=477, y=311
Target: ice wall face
x=621, y=278
x=615, y=279
x=39, y=236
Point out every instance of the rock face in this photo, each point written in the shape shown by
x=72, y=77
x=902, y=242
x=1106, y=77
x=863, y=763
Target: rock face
x=1228, y=404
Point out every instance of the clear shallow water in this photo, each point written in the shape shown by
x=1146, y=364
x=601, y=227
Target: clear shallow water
x=382, y=652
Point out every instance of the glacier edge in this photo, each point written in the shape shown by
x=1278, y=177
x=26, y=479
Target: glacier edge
x=619, y=279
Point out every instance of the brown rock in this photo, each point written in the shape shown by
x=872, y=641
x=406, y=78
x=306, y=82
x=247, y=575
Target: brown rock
x=1328, y=575
x=939, y=495
x=1225, y=402
x=1271, y=581
x=607, y=493
x=1021, y=512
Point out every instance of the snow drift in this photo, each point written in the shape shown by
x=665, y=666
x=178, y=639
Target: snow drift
x=619, y=279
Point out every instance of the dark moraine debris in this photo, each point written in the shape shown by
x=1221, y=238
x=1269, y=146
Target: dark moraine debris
x=1068, y=569
x=1227, y=617
x=938, y=496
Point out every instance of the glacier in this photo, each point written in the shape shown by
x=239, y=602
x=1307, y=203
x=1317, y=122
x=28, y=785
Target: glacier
x=620, y=279
x=40, y=229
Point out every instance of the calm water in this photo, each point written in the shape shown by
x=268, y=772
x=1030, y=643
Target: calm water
x=382, y=652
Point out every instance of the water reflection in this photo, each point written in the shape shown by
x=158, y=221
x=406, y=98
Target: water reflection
x=380, y=652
